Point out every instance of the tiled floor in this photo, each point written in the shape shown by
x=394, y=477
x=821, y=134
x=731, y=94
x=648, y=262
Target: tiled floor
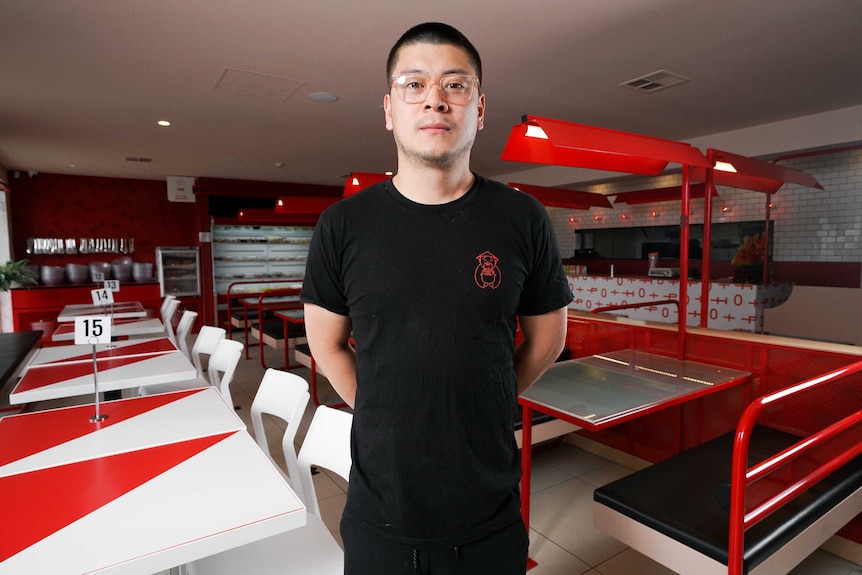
x=563, y=539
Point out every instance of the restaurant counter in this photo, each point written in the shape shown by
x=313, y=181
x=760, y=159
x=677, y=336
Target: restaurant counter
x=733, y=306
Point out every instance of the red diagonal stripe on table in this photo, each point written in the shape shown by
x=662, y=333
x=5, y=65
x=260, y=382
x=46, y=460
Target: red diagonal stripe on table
x=39, y=503
x=45, y=375
x=25, y=435
x=149, y=347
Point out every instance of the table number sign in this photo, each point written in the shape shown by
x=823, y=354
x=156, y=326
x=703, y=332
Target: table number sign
x=112, y=285
x=92, y=330
x=103, y=296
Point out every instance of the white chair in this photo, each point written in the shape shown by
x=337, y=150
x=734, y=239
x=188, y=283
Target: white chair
x=165, y=303
x=284, y=395
x=309, y=550
x=184, y=327
x=170, y=309
x=205, y=344
x=224, y=360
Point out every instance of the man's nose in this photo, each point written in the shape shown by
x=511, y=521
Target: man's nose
x=434, y=98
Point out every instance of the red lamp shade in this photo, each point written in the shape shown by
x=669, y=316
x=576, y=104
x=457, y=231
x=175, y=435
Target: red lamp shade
x=546, y=141
x=753, y=174
x=560, y=198
x=660, y=195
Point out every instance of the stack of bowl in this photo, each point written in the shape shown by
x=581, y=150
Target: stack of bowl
x=103, y=268
x=52, y=275
x=121, y=268
x=77, y=273
x=142, y=271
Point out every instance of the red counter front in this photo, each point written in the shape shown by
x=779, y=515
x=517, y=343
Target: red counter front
x=37, y=307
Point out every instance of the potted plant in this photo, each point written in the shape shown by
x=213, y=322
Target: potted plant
x=15, y=273
x=749, y=260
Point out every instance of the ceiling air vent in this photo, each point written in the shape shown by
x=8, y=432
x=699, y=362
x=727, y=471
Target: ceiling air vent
x=655, y=81
x=137, y=159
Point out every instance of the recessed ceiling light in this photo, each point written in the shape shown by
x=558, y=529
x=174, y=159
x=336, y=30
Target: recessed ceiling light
x=323, y=97
x=164, y=123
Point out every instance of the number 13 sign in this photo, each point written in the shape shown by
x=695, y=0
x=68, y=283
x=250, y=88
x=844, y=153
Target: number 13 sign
x=92, y=329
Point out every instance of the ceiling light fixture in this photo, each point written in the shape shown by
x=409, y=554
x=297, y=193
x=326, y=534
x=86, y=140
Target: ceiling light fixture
x=163, y=123
x=534, y=131
x=323, y=97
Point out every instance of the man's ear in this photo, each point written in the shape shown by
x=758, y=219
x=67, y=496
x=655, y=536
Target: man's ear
x=387, y=111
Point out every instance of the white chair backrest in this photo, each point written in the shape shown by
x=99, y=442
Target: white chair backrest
x=224, y=359
x=284, y=395
x=183, y=330
x=205, y=344
x=167, y=319
x=327, y=444
x=165, y=303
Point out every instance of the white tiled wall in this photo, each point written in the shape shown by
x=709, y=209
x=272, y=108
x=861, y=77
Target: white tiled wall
x=810, y=224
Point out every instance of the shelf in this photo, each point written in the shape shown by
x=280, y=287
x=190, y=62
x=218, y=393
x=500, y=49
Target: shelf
x=265, y=253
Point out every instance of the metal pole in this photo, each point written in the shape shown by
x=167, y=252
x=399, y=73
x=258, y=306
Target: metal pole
x=706, y=262
x=683, y=259
x=98, y=416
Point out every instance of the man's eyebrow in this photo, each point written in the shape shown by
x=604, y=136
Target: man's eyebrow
x=425, y=73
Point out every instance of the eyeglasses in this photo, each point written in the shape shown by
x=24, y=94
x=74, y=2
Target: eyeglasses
x=414, y=88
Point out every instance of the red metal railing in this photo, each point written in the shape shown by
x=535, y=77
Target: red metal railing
x=232, y=295
x=743, y=476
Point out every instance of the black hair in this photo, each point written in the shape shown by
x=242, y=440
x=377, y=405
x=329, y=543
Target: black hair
x=434, y=33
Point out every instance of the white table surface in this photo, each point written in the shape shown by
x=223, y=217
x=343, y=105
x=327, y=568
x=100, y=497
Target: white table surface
x=164, y=480
x=123, y=309
x=71, y=378
x=119, y=328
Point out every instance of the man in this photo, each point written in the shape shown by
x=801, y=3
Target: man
x=431, y=272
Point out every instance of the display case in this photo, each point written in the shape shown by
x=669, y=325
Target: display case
x=179, y=271
x=243, y=253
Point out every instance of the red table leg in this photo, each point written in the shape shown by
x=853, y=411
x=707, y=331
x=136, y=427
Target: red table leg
x=526, y=463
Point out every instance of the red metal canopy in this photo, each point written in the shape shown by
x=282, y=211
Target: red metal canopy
x=560, y=198
x=753, y=174
x=358, y=181
x=289, y=210
x=659, y=194
x=566, y=144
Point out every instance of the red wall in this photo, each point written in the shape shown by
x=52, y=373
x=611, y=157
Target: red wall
x=62, y=206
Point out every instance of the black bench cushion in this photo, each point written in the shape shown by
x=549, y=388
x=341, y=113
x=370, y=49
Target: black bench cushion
x=274, y=328
x=251, y=314
x=685, y=497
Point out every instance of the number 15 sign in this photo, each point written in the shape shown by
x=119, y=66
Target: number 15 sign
x=92, y=329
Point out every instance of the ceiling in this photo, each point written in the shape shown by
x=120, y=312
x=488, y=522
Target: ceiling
x=83, y=83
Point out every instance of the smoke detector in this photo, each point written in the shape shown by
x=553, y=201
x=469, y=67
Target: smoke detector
x=655, y=81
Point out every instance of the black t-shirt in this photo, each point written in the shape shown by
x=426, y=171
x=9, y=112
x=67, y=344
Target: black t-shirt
x=433, y=293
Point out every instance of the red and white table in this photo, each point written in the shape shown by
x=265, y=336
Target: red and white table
x=164, y=480
x=67, y=371
x=122, y=328
x=121, y=310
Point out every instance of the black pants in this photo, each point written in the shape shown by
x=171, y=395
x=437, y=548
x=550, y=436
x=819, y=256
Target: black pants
x=500, y=553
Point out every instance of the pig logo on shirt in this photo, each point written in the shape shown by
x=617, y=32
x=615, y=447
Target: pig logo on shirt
x=487, y=273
